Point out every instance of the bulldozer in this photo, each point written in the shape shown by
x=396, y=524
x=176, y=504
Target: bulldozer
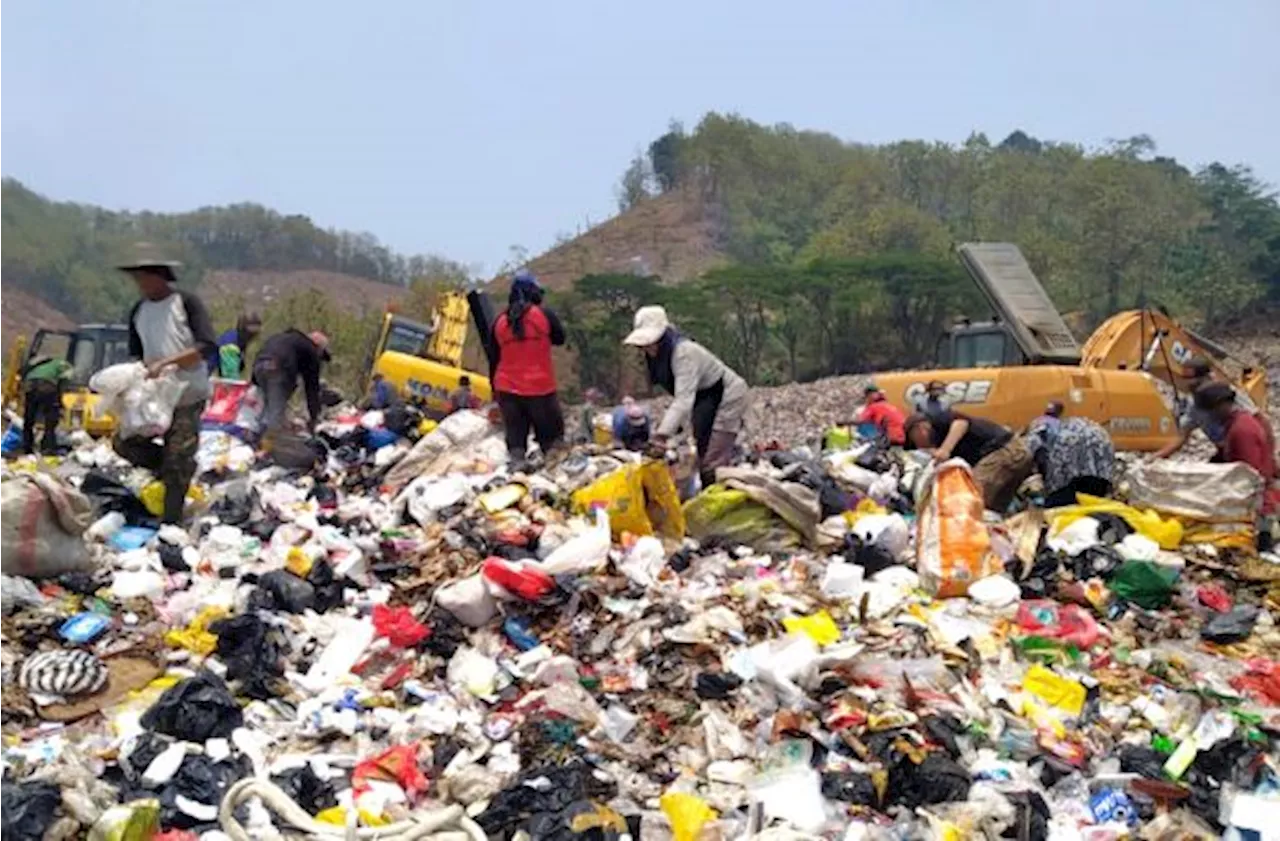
x=424, y=361
x=1009, y=368
x=89, y=348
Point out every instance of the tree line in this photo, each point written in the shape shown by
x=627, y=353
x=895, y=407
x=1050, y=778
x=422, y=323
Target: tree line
x=1105, y=229
x=65, y=252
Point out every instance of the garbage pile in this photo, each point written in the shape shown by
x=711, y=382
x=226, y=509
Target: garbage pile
x=396, y=637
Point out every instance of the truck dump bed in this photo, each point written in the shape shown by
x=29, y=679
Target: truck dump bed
x=1016, y=296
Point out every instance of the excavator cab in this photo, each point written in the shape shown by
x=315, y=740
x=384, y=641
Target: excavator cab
x=89, y=348
x=987, y=344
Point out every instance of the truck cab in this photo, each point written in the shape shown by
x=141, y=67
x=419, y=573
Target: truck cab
x=89, y=348
x=986, y=344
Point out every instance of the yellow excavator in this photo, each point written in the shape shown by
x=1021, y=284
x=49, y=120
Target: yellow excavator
x=1008, y=369
x=424, y=361
x=89, y=348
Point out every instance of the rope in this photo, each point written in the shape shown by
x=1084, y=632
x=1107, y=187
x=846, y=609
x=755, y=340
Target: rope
x=446, y=824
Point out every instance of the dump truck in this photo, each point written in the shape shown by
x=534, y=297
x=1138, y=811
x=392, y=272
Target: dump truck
x=1009, y=368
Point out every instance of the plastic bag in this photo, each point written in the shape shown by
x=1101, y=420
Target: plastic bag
x=399, y=626
x=687, y=813
x=526, y=579
x=1055, y=690
x=731, y=516
x=195, y=710
x=1067, y=623
x=889, y=531
x=1146, y=584
x=583, y=552
x=142, y=406
x=29, y=809
x=250, y=650
x=953, y=547
x=398, y=765
x=1166, y=532
x=640, y=499
x=42, y=527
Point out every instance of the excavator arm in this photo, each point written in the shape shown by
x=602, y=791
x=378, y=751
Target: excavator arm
x=1148, y=340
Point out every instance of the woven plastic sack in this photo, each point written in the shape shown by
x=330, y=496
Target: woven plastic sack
x=42, y=527
x=731, y=516
x=953, y=547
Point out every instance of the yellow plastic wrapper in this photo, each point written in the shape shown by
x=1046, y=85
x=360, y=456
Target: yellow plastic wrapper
x=152, y=496
x=196, y=637
x=1149, y=524
x=335, y=815
x=686, y=813
x=502, y=498
x=732, y=516
x=641, y=499
x=865, y=506
x=136, y=821
x=1055, y=690
x=819, y=627
x=298, y=562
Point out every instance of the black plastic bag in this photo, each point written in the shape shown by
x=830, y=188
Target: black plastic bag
x=1232, y=626
x=850, y=787
x=1135, y=759
x=195, y=710
x=109, y=495
x=287, y=592
x=201, y=780
x=327, y=587
x=716, y=685
x=171, y=557
x=1031, y=817
x=234, y=509
x=938, y=779
x=250, y=649
x=870, y=556
x=1096, y=562
x=145, y=749
x=518, y=805
x=29, y=809
x=306, y=789
x=1112, y=528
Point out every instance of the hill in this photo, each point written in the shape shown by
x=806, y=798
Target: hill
x=260, y=290
x=21, y=314
x=674, y=236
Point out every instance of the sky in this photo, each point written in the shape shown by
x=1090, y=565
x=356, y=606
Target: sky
x=465, y=128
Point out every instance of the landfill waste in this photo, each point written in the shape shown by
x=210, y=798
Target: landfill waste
x=386, y=630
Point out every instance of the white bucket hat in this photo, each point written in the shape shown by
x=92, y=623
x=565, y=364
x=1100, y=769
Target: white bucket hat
x=650, y=324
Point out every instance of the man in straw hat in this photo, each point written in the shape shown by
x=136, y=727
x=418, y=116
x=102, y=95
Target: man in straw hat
x=169, y=328
x=710, y=397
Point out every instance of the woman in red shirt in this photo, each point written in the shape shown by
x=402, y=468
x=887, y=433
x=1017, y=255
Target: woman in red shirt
x=524, y=377
x=888, y=418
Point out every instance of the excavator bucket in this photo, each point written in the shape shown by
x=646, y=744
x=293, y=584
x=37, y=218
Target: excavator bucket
x=1016, y=296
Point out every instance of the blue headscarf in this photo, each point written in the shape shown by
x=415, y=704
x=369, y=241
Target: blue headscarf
x=525, y=292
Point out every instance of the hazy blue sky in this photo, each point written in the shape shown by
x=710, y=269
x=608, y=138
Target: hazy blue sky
x=466, y=127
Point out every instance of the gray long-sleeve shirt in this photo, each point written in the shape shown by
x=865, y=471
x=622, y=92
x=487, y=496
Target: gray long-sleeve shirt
x=696, y=368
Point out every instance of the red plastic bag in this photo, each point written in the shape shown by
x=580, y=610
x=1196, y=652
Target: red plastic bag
x=1261, y=681
x=396, y=765
x=1214, y=597
x=398, y=625
x=524, y=578
x=1066, y=623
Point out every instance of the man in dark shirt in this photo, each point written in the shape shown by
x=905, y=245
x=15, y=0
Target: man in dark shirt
x=1000, y=462
x=284, y=358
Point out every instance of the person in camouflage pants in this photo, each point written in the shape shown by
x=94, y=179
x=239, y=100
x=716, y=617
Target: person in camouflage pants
x=173, y=461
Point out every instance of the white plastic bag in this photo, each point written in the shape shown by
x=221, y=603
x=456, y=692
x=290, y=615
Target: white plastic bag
x=888, y=531
x=584, y=552
x=142, y=406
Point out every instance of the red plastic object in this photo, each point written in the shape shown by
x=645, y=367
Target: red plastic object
x=397, y=765
x=525, y=579
x=1066, y=623
x=398, y=625
x=224, y=406
x=175, y=835
x=1214, y=597
x=1261, y=680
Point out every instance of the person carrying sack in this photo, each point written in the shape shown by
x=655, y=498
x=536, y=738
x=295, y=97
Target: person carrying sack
x=170, y=328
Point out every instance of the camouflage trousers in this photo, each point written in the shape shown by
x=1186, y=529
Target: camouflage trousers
x=173, y=461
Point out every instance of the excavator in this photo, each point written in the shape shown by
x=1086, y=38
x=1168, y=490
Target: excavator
x=1009, y=368
x=89, y=348
x=424, y=361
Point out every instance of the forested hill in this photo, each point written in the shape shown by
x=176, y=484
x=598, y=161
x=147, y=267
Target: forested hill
x=839, y=256
x=63, y=252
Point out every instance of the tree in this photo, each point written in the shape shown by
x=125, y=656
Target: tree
x=634, y=186
x=665, y=155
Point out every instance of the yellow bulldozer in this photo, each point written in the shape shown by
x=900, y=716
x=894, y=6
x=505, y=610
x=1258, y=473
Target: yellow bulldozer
x=89, y=348
x=1009, y=368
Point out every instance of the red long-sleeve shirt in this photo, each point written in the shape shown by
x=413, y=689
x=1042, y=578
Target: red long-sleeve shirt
x=1248, y=440
x=887, y=417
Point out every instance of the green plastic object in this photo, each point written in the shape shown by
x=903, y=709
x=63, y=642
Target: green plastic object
x=1143, y=583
